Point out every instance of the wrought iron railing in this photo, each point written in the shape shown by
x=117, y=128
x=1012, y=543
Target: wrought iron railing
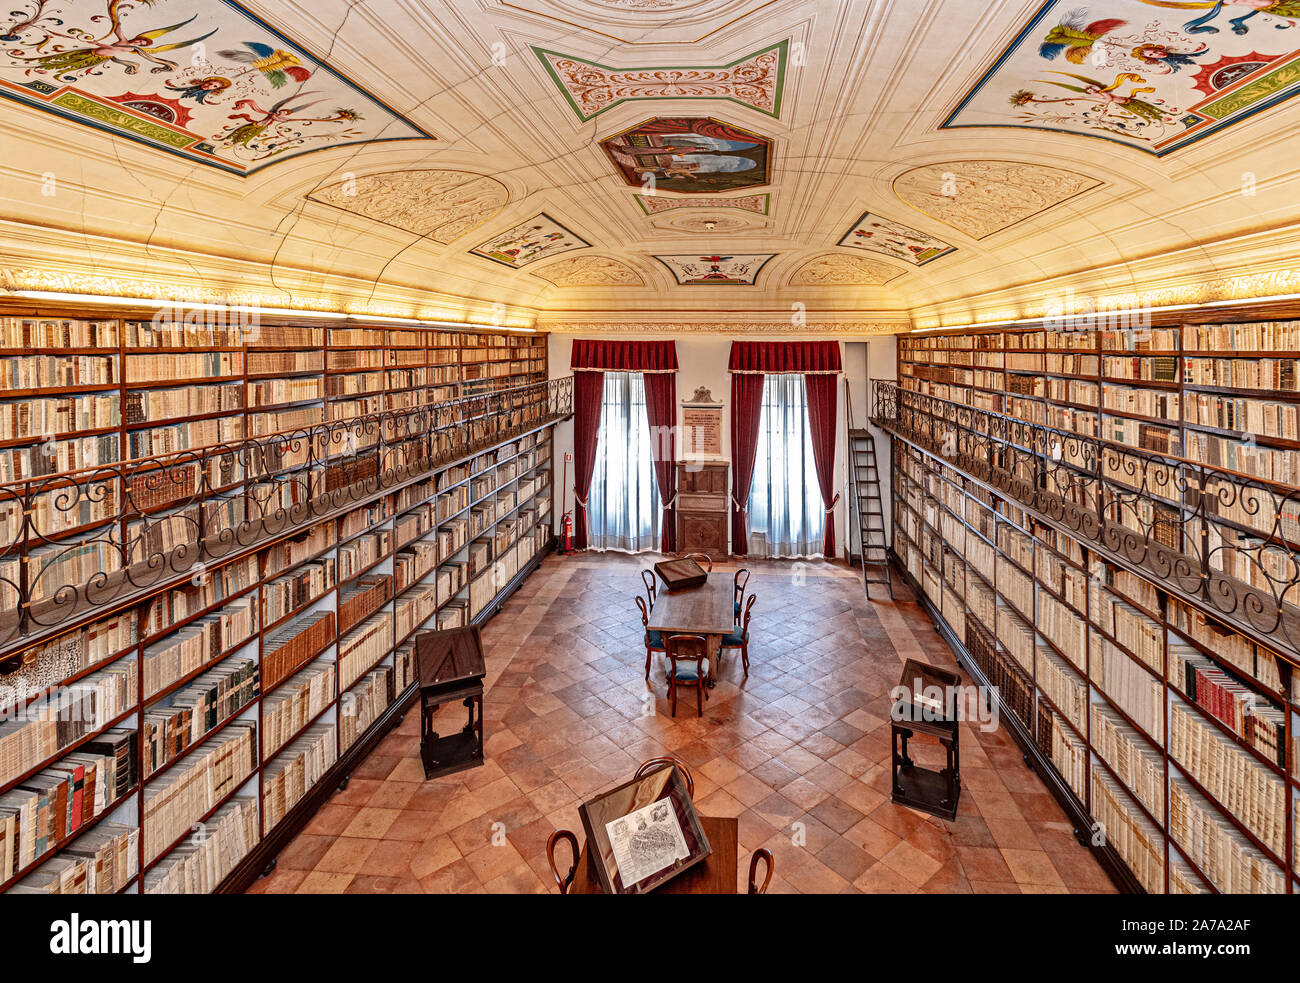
x=75, y=543
x=1222, y=540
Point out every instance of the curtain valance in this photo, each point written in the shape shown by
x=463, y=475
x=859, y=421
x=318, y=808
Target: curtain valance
x=624, y=356
x=785, y=357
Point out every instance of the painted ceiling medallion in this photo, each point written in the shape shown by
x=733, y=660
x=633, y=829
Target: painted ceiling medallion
x=440, y=205
x=728, y=271
x=706, y=224
x=756, y=81
x=655, y=204
x=590, y=271
x=691, y=156
x=1139, y=73
x=203, y=79
x=880, y=235
x=541, y=237
x=981, y=197
x=841, y=270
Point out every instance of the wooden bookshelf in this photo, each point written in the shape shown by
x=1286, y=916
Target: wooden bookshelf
x=1146, y=711
x=322, y=613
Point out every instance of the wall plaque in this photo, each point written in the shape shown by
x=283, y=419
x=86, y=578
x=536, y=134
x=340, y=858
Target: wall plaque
x=701, y=427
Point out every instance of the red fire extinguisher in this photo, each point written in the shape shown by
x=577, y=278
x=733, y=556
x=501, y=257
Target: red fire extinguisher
x=566, y=524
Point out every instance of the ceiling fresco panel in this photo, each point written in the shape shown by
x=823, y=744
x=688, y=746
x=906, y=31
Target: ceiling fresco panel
x=1155, y=75
x=202, y=79
x=756, y=81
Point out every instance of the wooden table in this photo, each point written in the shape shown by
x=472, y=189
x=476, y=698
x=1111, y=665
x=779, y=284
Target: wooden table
x=716, y=874
x=709, y=610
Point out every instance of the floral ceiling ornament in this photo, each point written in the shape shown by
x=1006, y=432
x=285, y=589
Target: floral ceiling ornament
x=442, y=206
x=840, y=270
x=757, y=80
x=590, y=271
x=982, y=197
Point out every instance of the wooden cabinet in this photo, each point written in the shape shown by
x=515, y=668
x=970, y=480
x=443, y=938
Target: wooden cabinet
x=703, y=516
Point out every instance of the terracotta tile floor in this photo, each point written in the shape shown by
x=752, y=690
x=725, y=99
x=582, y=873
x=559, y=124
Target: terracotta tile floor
x=799, y=752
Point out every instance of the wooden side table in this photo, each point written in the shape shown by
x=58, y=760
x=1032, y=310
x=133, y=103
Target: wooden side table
x=931, y=791
x=449, y=668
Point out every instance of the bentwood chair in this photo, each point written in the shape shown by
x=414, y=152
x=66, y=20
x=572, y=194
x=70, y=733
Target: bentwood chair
x=702, y=559
x=651, y=587
x=689, y=658
x=566, y=881
x=653, y=763
x=654, y=640
x=754, y=887
x=741, y=581
x=739, y=639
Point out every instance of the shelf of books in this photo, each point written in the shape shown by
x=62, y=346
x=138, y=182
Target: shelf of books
x=171, y=738
x=1163, y=710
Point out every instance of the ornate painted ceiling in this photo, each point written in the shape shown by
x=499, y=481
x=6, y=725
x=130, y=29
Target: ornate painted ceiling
x=864, y=164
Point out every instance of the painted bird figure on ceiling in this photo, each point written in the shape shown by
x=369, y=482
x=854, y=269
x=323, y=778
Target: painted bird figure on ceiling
x=117, y=46
x=276, y=65
x=1076, y=36
x=1288, y=10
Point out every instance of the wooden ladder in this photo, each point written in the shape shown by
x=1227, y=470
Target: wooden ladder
x=873, y=536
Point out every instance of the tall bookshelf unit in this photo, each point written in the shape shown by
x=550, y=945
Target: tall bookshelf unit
x=309, y=496
x=1105, y=525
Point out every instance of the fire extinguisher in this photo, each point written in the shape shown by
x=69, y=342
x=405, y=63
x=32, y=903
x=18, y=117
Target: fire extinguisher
x=566, y=524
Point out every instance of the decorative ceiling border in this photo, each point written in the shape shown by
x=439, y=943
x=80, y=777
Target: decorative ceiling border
x=587, y=27
x=761, y=203
x=756, y=80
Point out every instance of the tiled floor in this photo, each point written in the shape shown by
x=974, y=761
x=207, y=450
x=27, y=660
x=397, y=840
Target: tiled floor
x=799, y=752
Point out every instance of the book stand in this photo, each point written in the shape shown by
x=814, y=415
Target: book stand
x=931, y=791
x=449, y=667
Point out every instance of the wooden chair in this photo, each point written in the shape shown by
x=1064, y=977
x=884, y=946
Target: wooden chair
x=651, y=586
x=702, y=559
x=759, y=854
x=741, y=581
x=566, y=881
x=653, y=763
x=654, y=641
x=740, y=639
x=689, y=658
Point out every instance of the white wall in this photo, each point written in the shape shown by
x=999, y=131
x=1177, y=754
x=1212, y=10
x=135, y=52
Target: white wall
x=703, y=363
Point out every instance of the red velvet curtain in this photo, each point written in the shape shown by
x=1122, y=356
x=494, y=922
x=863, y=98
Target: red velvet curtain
x=590, y=360
x=786, y=357
x=624, y=356
x=588, y=400
x=823, y=402
x=661, y=412
x=746, y=410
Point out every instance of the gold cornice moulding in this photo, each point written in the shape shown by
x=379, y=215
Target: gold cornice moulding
x=91, y=286
x=1242, y=288
x=738, y=326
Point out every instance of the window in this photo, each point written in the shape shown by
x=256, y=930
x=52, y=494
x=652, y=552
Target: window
x=623, y=508
x=785, y=501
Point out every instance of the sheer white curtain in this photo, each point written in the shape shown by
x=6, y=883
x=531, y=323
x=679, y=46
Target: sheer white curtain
x=623, y=508
x=785, y=502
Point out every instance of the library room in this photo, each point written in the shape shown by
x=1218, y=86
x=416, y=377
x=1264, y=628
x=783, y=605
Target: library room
x=547, y=447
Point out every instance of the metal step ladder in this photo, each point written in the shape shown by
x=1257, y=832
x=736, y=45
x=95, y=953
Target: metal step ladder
x=873, y=535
